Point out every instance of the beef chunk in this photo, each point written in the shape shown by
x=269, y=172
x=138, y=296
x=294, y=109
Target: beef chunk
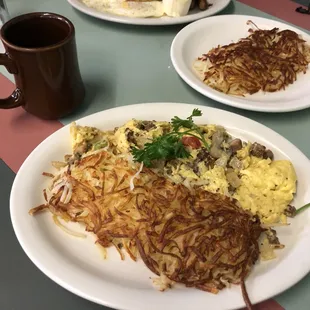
x=290, y=211
x=130, y=135
x=146, y=125
x=272, y=237
x=235, y=145
x=205, y=156
x=257, y=150
x=268, y=154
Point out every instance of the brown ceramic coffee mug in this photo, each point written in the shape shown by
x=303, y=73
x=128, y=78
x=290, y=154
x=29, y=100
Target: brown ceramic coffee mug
x=41, y=53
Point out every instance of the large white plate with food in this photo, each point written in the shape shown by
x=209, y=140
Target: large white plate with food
x=200, y=37
x=77, y=264
x=146, y=13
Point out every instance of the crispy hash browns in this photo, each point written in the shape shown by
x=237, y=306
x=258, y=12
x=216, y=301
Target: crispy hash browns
x=267, y=60
x=201, y=239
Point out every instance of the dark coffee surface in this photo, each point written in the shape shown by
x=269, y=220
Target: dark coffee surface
x=37, y=32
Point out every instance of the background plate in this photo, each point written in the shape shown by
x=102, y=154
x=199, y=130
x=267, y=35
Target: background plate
x=218, y=5
x=199, y=37
x=77, y=265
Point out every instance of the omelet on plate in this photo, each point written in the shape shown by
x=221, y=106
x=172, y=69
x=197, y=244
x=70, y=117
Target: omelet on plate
x=128, y=8
x=241, y=170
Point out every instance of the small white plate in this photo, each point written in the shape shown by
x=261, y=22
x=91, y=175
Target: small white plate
x=217, y=6
x=76, y=264
x=199, y=37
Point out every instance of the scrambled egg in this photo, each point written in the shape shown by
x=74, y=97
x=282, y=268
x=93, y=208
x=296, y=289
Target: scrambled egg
x=87, y=139
x=213, y=180
x=80, y=134
x=267, y=187
x=135, y=131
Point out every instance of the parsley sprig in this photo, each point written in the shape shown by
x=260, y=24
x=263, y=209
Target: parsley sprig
x=303, y=208
x=169, y=146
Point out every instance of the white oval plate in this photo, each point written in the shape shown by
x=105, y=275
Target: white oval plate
x=217, y=6
x=199, y=37
x=77, y=265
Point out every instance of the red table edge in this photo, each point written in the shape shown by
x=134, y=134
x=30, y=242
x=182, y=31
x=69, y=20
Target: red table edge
x=20, y=133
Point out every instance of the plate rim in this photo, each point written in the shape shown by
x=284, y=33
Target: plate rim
x=81, y=7
x=208, y=91
x=74, y=289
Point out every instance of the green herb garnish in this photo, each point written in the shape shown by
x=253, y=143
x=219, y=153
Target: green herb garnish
x=178, y=123
x=302, y=208
x=100, y=145
x=169, y=146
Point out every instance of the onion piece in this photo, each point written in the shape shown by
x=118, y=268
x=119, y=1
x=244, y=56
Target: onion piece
x=66, y=230
x=68, y=196
x=236, y=163
x=59, y=164
x=131, y=184
x=103, y=251
x=119, y=250
x=64, y=193
x=222, y=161
x=58, y=185
x=67, y=190
x=233, y=179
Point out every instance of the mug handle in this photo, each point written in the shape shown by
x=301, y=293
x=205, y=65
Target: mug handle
x=16, y=98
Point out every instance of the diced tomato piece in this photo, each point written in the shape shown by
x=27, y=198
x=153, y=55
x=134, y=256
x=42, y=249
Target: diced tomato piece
x=191, y=141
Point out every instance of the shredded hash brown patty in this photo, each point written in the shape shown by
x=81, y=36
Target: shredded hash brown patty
x=267, y=60
x=197, y=238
